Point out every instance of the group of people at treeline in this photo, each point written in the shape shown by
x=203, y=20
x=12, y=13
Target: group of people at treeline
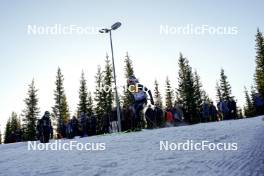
x=153, y=117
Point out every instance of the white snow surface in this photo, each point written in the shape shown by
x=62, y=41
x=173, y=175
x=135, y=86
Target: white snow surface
x=139, y=154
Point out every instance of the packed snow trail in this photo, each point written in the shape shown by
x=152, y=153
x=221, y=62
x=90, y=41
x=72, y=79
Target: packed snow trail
x=139, y=154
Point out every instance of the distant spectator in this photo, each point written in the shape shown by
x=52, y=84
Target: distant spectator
x=83, y=119
x=169, y=117
x=205, y=112
x=259, y=104
x=224, y=109
x=106, y=123
x=150, y=118
x=158, y=113
x=18, y=135
x=232, y=107
x=212, y=112
x=44, y=128
x=93, y=124
x=12, y=137
x=219, y=113
x=69, y=130
x=177, y=113
x=75, y=124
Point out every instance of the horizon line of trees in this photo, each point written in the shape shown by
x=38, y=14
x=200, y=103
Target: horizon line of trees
x=189, y=93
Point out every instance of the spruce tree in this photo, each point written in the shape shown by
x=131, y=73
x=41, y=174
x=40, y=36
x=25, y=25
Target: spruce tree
x=205, y=96
x=168, y=94
x=186, y=91
x=259, y=73
x=200, y=94
x=191, y=102
x=60, y=109
x=65, y=109
x=83, y=96
x=90, y=104
x=7, y=131
x=249, y=108
x=108, y=82
x=218, y=92
x=181, y=80
x=252, y=97
x=99, y=99
x=12, y=126
x=157, y=95
x=129, y=71
x=31, y=113
x=225, y=87
x=15, y=124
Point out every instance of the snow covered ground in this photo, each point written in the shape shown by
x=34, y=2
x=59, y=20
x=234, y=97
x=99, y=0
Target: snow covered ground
x=139, y=153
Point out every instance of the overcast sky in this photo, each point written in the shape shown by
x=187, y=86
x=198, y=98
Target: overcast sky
x=155, y=53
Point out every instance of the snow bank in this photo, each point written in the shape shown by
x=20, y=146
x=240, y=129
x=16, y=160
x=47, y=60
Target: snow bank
x=139, y=153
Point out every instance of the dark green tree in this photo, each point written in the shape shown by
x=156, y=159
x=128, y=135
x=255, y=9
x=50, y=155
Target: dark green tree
x=90, y=104
x=199, y=93
x=15, y=123
x=83, y=96
x=186, y=91
x=218, y=92
x=259, y=73
x=180, y=91
x=129, y=71
x=7, y=131
x=31, y=113
x=60, y=110
x=252, y=97
x=168, y=94
x=248, y=108
x=157, y=95
x=99, y=99
x=205, y=96
x=225, y=87
x=108, y=82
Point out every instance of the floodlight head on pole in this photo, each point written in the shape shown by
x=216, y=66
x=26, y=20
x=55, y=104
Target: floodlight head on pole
x=113, y=27
x=116, y=26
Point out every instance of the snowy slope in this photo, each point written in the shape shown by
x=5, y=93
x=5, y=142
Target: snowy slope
x=139, y=153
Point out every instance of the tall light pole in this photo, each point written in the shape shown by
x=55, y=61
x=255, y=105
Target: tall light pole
x=105, y=30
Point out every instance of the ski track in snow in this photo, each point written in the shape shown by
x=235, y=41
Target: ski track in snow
x=138, y=154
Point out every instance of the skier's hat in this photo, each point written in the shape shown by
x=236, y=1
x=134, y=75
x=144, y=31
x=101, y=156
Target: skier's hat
x=132, y=80
x=47, y=113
